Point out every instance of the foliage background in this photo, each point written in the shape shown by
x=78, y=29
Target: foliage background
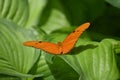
x=94, y=57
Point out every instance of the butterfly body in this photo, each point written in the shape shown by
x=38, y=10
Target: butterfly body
x=61, y=47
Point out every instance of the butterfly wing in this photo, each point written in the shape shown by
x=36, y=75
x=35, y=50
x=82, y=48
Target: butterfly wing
x=45, y=46
x=71, y=39
x=60, y=48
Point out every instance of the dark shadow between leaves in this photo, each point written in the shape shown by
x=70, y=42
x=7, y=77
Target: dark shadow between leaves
x=77, y=50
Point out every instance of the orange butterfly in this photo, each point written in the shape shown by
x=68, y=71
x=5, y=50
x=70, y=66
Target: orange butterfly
x=62, y=47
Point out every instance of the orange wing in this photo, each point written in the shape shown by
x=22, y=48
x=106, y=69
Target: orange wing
x=46, y=46
x=71, y=39
x=60, y=48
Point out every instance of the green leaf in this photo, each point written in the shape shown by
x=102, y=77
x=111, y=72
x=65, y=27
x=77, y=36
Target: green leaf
x=15, y=59
x=41, y=67
x=97, y=63
x=62, y=71
x=115, y=3
x=35, y=10
x=53, y=17
x=117, y=48
x=16, y=11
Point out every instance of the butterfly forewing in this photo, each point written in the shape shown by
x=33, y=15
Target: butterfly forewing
x=71, y=39
x=46, y=46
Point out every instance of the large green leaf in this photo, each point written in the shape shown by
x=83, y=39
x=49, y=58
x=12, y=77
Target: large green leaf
x=15, y=10
x=35, y=10
x=53, y=16
x=97, y=63
x=15, y=59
